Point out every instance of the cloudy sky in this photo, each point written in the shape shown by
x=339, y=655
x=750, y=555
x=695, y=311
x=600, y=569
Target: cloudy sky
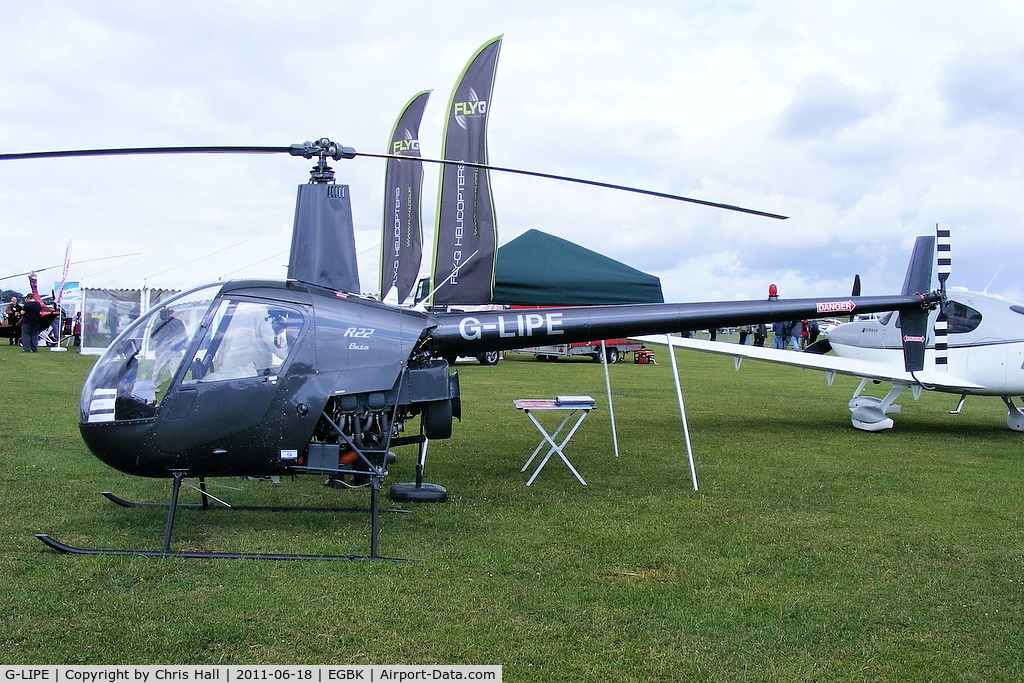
x=866, y=122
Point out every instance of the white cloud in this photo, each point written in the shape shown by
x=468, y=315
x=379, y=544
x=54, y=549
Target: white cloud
x=824, y=105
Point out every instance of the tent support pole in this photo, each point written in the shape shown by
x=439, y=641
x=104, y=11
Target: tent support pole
x=611, y=407
x=682, y=410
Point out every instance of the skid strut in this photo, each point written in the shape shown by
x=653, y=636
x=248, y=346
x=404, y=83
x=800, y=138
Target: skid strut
x=178, y=477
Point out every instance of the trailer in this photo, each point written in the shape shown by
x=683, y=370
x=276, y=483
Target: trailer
x=614, y=350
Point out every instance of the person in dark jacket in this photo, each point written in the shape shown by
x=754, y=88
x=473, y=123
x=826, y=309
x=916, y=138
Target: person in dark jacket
x=760, y=334
x=781, y=331
x=813, y=330
x=13, y=315
x=796, y=331
x=30, y=323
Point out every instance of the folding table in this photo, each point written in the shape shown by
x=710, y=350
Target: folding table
x=578, y=406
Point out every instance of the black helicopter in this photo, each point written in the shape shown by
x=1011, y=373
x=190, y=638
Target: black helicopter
x=261, y=378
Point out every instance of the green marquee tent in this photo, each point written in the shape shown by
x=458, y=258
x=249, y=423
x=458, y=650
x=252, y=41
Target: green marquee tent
x=538, y=269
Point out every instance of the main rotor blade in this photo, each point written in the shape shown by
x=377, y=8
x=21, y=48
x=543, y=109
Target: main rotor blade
x=127, y=151
x=580, y=181
x=312, y=149
x=73, y=263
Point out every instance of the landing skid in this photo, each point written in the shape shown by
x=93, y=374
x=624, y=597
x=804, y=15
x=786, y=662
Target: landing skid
x=173, y=506
x=123, y=502
x=72, y=550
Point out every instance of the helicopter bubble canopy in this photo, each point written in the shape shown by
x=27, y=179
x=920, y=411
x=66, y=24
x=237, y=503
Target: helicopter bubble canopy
x=144, y=356
x=204, y=338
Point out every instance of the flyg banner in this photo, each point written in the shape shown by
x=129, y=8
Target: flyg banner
x=402, y=237
x=467, y=232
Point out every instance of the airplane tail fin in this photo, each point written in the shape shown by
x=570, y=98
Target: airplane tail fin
x=914, y=322
x=919, y=273
x=856, y=291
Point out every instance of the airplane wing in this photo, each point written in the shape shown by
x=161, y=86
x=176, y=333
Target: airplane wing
x=829, y=363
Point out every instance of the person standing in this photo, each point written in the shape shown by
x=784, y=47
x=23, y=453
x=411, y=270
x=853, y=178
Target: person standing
x=796, y=331
x=760, y=334
x=813, y=330
x=13, y=315
x=781, y=332
x=30, y=323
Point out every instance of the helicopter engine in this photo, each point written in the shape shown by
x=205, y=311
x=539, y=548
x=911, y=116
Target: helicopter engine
x=352, y=428
x=356, y=431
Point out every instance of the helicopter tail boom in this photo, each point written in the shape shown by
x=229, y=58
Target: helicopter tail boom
x=472, y=333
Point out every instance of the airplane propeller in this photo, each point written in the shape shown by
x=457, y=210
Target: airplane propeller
x=943, y=251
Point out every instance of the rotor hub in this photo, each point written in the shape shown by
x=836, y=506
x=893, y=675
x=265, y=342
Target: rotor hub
x=322, y=149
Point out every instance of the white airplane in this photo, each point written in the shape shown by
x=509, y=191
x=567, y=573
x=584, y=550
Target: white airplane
x=983, y=355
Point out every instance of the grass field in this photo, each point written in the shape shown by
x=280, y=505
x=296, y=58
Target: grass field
x=811, y=552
